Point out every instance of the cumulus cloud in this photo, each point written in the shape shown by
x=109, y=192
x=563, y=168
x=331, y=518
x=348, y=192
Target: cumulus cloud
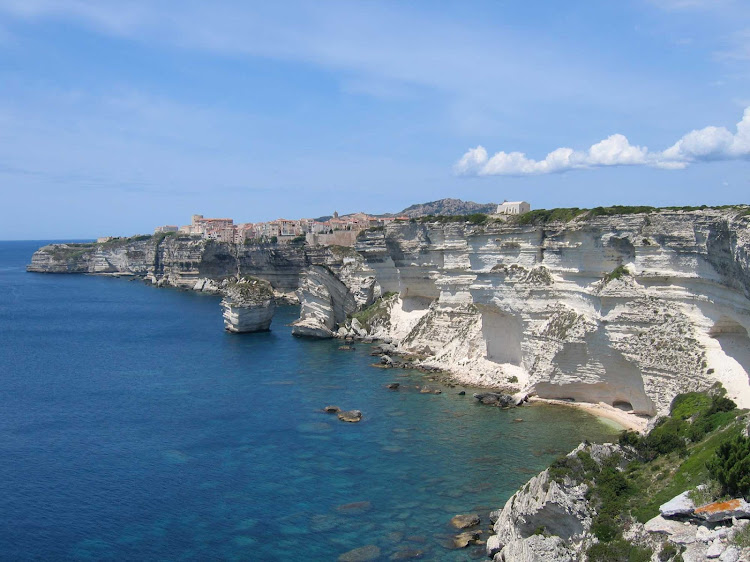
x=702, y=145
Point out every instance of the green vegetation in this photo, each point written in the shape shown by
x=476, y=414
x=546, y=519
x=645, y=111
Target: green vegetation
x=616, y=273
x=731, y=466
x=620, y=210
x=544, y=216
x=159, y=238
x=742, y=539
x=375, y=313
x=299, y=239
x=618, y=550
x=700, y=442
x=343, y=251
x=474, y=218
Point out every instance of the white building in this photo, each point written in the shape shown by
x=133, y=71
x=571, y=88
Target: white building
x=513, y=208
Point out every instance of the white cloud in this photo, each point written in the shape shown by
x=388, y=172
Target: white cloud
x=703, y=145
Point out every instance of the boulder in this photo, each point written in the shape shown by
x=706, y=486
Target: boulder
x=722, y=511
x=678, y=506
x=393, y=386
x=493, y=545
x=495, y=399
x=351, y=416
x=677, y=531
x=466, y=538
x=465, y=520
x=715, y=549
x=332, y=409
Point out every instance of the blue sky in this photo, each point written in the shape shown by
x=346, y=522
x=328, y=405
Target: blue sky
x=117, y=116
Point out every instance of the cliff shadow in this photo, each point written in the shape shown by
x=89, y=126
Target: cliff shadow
x=734, y=341
x=502, y=334
x=593, y=371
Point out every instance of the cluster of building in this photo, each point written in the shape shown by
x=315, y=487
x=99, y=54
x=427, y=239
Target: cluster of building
x=341, y=231
x=335, y=230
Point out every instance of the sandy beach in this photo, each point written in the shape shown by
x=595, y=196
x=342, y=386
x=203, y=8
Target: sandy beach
x=602, y=410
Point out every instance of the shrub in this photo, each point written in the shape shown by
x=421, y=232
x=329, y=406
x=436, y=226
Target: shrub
x=544, y=216
x=668, y=550
x=689, y=404
x=618, y=551
x=731, y=466
x=742, y=537
x=477, y=218
x=617, y=273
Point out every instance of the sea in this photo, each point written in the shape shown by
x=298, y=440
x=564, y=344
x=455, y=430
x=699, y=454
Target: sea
x=133, y=427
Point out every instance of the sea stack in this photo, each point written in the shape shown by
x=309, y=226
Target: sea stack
x=248, y=305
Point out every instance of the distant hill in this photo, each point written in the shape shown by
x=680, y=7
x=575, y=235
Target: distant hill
x=448, y=207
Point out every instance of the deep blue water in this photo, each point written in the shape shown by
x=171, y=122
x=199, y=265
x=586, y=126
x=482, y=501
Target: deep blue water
x=132, y=427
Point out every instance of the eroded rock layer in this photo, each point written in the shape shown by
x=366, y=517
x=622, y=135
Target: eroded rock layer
x=248, y=305
x=629, y=310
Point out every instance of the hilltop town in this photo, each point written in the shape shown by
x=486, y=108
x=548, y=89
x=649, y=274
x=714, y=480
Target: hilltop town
x=324, y=231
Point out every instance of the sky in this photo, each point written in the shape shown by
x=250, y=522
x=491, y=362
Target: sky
x=117, y=116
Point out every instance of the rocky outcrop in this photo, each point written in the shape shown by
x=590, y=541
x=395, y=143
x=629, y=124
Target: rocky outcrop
x=547, y=519
x=629, y=310
x=248, y=305
x=325, y=303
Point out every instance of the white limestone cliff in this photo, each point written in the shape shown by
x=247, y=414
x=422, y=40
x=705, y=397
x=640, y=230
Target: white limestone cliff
x=248, y=305
x=628, y=310
x=325, y=303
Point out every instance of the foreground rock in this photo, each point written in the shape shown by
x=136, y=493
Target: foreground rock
x=559, y=508
x=248, y=305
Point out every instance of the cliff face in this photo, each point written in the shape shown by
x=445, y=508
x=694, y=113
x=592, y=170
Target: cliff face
x=182, y=261
x=629, y=309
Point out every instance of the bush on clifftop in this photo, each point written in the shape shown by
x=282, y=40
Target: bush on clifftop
x=731, y=466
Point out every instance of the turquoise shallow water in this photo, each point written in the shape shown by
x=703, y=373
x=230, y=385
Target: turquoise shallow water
x=134, y=428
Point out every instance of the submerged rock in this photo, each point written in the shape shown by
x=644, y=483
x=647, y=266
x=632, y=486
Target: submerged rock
x=248, y=305
x=332, y=409
x=361, y=554
x=354, y=507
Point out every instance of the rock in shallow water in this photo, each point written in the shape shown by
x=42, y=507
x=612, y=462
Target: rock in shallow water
x=466, y=538
x=465, y=520
x=351, y=416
